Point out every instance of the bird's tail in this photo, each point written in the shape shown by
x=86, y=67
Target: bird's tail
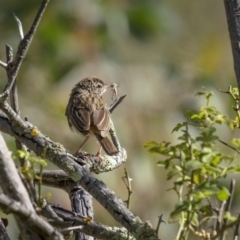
x=107, y=145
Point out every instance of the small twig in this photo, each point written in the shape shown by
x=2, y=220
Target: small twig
x=160, y=220
x=3, y=64
x=230, y=198
x=228, y=145
x=19, y=26
x=23, y=48
x=236, y=230
x=224, y=228
x=112, y=130
x=223, y=91
x=220, y=216
x=71, y=229
x=127, y=181
x=14, y=97
x=116, y=103
x=227, y=207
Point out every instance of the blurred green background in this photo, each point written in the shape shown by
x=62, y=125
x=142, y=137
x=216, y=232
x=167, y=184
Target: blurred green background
x=160, y=52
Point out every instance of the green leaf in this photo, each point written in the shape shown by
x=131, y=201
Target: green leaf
x=179, y=126
x=229, y=217
x=161, y=148
x=151, y=144
x=171, y=174
x=175, y=216
x=205, y=190
x=223, y=194
x=42, y=162
x=199, y=116
x=198, y=176
x=23, y=154
x=193, y=164
x=195, y=221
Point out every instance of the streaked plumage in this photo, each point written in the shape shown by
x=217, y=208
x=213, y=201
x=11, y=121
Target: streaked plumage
x=87, y=112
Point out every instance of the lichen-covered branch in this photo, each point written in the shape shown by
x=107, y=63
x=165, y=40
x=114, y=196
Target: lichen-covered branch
x=57, y=154
x=42, y=227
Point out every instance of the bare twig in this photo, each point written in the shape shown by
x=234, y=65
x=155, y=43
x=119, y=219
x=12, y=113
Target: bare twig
x=23, y=48
x=160, y=220
x=116, y=103
x=224, y=228
x=220, y=216
x=20, y=29
x=228, y=145
x=236, y=230
x=230, y=198
x=228, y=206
x=14, y=96
x=127, y=181
x=71, y=228
x=3, y=64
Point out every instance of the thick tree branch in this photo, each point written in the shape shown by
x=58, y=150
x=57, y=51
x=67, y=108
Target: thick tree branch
x=61, y=217
x=12, y=186
x=81, y=202
x=33, y=220
x=232, y=8
x=55, y=152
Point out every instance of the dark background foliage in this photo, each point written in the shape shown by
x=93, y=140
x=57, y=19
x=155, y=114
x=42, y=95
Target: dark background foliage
x=160, y=52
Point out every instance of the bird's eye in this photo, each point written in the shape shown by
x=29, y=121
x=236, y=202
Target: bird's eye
x=99, y=86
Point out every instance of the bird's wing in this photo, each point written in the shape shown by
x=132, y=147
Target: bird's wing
x=100, y=121
x=80, y=119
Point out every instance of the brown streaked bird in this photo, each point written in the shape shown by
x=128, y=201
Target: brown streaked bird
x=87, y=112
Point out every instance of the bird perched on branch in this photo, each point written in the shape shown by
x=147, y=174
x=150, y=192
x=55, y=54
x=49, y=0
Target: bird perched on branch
x=88, y=114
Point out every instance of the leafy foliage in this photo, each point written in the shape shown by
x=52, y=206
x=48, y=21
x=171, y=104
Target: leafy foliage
x=196, y=166
x=29, y=170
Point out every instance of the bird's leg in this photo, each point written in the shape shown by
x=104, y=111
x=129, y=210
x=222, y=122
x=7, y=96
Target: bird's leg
x=98, y=154
x=80, y=147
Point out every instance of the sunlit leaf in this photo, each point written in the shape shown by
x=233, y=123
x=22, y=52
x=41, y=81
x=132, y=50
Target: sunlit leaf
x=193, y=164
x=198, y=176
x=223, y=194
x=195, y=221
x=229, y=217
x=199, y=116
